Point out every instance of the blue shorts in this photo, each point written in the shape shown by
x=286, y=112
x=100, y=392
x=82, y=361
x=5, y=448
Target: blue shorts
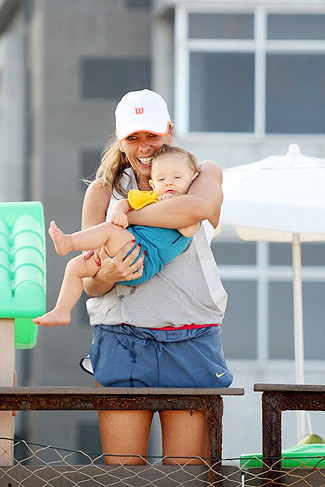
x=126, y=356
x=161, y=245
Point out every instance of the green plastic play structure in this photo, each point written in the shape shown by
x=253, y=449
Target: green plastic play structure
x=22, y=268
x=298, y=456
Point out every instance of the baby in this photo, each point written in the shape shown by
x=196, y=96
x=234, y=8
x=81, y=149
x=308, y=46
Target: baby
x=172, y=172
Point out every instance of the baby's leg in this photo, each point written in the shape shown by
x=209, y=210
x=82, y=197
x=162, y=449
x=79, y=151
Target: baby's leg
x=116, y=238
x=62, y=242
x=90, y=239
x=70, y=292
x=77, y=269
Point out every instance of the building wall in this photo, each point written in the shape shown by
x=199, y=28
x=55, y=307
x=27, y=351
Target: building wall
x=12, y=111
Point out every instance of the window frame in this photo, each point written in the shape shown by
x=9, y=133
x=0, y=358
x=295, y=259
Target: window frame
x=259, y=45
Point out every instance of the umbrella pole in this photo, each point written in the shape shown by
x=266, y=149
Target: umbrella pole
x=298, y=326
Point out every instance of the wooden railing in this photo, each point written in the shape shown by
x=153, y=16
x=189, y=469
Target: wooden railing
x=154, y=399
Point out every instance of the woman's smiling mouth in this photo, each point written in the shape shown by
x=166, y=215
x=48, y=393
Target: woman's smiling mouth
x=145, y=161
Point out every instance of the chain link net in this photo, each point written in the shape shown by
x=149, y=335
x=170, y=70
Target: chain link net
x=36, y=465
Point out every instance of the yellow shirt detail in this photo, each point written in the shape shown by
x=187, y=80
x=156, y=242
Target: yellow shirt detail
x=139, y=199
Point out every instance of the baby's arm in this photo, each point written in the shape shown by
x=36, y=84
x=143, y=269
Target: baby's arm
x=119, y=213
x=202, y=201
x=188, y=231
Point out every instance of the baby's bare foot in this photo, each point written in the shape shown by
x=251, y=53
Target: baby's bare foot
x=62, y=242
x=55, y=317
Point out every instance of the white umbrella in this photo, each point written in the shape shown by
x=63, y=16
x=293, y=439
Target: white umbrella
x=279, y=199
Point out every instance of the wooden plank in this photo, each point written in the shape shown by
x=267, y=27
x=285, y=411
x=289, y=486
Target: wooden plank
x=156, y=399
x=126, y=391
x=7, y=372
x=95, y=398
x=289, y=388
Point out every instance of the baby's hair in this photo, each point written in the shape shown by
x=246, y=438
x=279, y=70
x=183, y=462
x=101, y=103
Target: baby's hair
x=174, y=150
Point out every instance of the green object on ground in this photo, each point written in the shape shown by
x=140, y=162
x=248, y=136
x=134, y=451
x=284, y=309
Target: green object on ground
x=22, y=268
x=299, y=456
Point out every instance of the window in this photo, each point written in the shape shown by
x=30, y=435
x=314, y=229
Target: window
x=220, y=26
x=294, y=27
x=295, y=93
x=258, y=278
x=281, y=321
x=112, y=78
x=239, y=327
x=255, y=72
x=222, y=100
x=234, y=253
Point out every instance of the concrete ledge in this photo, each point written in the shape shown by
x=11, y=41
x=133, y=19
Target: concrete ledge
x=135, y=476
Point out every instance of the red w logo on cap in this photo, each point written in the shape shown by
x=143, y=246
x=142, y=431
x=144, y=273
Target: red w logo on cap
x=139, y=110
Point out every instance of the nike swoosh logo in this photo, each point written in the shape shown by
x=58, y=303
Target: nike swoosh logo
x=219, y=375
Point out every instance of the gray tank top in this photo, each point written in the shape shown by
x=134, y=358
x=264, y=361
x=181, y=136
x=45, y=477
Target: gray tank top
x=187, y=290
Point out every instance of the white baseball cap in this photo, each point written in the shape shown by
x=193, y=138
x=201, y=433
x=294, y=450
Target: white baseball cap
x=141, y=111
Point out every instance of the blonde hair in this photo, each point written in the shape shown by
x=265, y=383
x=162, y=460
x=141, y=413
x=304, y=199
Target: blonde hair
x=174, y=150
x=113, y=162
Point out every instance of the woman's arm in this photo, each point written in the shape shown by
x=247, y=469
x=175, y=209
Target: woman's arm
x=190, y=230
x=203, y=201
x=114, y=269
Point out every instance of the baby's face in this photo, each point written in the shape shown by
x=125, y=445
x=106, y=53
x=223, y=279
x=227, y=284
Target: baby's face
x=171, y=174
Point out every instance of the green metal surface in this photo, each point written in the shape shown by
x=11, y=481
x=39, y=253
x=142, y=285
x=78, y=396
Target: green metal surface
x=22, y=268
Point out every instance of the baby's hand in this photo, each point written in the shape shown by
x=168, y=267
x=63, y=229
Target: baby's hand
x=165, y=196
x=119, y=218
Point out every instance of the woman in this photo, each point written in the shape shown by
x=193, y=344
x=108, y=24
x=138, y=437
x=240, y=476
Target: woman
x=163, y=333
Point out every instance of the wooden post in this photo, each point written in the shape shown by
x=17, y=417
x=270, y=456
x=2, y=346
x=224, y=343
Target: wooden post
x=7, y=372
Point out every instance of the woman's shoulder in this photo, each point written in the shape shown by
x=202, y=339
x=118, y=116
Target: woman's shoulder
x=100, y=195
x=95, y=203
x=98, y=189
x=211, y=167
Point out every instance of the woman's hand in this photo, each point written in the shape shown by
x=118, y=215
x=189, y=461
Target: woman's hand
x=118, y=268
x=121, y=268
x=95, y=253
